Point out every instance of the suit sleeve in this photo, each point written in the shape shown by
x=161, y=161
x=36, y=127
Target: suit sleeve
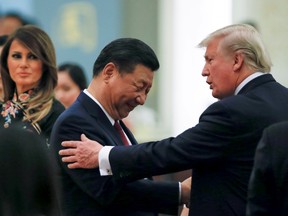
x=206, y=144
x=144, y=195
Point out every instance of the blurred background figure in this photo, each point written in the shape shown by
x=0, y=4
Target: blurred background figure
x=28, y=186
x=29, y=75
x=71, y=81
x=10, y=21
x=268, y=188
x=3, y=39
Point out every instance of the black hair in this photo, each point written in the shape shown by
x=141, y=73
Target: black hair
x=126, y=53
x=76, y=73
x=28, y=183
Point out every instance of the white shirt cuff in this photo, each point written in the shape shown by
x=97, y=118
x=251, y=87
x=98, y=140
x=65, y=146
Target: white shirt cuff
x=180, y=193
x=104, y=164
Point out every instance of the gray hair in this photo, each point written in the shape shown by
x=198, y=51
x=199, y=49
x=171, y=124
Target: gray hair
x=245, y=39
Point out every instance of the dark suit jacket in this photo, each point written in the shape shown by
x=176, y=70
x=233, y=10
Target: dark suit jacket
x=220, y=148
x=268, y=187
x=85, y=192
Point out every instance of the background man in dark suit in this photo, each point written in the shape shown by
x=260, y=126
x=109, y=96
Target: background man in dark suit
x=220, y=148
x=122, y=77
x=268, y=187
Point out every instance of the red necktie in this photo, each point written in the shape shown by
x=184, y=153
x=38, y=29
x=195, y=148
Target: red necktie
x=119, y=129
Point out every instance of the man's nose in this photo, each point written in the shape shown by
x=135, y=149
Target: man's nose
x=141, y=98
x=205, y=71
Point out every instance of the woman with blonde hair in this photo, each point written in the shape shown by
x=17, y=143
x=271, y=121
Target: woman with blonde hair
x=29, y=74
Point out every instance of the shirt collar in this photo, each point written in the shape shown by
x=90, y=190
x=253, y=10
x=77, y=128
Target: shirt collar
x=248, y=79
x=99, y=104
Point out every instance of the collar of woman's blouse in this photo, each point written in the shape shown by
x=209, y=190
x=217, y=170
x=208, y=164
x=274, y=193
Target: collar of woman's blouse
x=25, y=96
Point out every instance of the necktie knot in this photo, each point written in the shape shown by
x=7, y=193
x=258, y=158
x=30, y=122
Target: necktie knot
x=120, y=131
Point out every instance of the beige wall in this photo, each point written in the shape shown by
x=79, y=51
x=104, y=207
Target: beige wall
x=140, y=20
x=155, y=22
x=271, y=18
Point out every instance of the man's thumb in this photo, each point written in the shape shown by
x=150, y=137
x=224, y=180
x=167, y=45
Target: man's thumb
x=83, y=137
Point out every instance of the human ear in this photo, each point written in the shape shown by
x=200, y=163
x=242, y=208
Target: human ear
x=109, y=70
x=238, y=61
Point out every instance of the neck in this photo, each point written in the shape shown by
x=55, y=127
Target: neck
x=243, y=75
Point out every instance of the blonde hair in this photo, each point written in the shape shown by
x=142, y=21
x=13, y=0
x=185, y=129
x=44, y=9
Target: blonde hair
x=242, y=38
x=40, y=44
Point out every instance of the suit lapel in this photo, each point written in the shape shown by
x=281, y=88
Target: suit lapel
x=257, y=82
x=101, y=119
